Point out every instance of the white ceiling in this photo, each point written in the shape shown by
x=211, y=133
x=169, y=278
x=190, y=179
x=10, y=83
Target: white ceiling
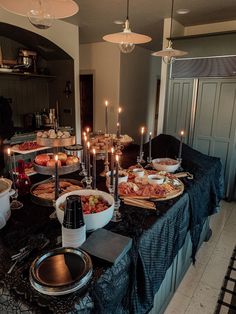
x=96, y=17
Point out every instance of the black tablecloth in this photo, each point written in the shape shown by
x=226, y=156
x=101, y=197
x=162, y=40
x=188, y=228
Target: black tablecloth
x=128, y=287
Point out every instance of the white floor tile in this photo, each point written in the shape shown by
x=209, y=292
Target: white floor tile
x=178, y=304
x=204, y=253
x=226, y=243
x=215, y=271
x=204, y=300
x=191, y=279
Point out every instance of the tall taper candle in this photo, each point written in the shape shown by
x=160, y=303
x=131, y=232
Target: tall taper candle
x=180, y=144
x=10, y=168
x=85, y=151
x=112, y=167
x=88, y=153
x=106, y=117
x=56, y=178
x=116, y=179
x=94, y=168
x=118, y=130
x=150, y=146
x=141, y=143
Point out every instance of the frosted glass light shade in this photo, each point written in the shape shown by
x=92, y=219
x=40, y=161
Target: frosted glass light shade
x=126, y=47
x=59, y=8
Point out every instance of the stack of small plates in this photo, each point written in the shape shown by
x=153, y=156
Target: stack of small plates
x=61, y=271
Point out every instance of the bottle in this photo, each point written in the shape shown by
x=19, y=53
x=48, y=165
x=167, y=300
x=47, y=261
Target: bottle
x=73, y=226
x=23, y=183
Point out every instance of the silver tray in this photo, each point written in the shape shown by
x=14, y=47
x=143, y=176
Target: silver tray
x=61, y=271
x=61, y=170
x=48, y=202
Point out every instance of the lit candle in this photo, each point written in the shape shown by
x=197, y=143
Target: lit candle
x=10, y=164
x=180, y=144
x=118, y=130
x=150, y=146
x=85, y=150
x=141, y=144
x=106, y=117
x=94, y=168
x=56, y=178
x=112, y=167
x=88, y=130
x=116, y=179
x=118, y=118
x=88, y=153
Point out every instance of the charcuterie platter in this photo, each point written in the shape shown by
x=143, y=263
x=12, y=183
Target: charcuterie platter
x=152, y=185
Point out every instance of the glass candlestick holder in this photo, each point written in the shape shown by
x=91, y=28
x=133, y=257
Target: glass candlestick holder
x=88, y=181
x=149, y=163
x=116, y=214
x=140, y=159
x=180, y=164
x=83, y=172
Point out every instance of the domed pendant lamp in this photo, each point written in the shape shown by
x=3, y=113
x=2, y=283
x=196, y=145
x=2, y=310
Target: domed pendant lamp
x=127, y=39
x=41, y=13
x=169, y=54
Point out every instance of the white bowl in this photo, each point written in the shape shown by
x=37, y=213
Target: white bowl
x=168, y=168
x=139, y=172
x=155, y=179
x=92, y=221
x=120, y=179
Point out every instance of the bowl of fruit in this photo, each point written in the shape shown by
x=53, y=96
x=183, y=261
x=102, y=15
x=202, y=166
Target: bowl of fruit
x=45, y=163
x=98, y=207
x=166, y=164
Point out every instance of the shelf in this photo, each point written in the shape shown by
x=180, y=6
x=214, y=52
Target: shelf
x=26, y=75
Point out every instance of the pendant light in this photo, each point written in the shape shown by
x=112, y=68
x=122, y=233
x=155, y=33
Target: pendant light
x=169, y=54
x=41, y=13
x=127, y=39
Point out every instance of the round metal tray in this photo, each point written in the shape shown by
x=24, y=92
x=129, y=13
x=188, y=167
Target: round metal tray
x=49, y=202
x=56, y=142
x=61, y=271
x=61, y=170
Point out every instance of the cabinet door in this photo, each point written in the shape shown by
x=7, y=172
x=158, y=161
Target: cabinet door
x=214, y=131
x=178, y=111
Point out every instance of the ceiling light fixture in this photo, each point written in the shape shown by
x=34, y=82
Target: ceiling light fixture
x=41, y=13
x=127, y=39
x=169, y=54
x=182, y=11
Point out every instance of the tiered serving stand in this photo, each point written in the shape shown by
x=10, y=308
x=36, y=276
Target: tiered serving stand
x=53, y=143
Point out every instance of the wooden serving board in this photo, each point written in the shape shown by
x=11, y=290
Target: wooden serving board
x=155, y=197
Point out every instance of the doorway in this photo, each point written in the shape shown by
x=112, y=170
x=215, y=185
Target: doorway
x=86, y=101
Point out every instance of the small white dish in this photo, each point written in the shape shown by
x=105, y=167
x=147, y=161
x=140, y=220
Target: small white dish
x=139, y=172
x=156, y=179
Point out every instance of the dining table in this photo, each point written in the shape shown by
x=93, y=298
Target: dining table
x=157, y=236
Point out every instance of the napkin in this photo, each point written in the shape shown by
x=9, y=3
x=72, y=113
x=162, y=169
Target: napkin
x=107, y=245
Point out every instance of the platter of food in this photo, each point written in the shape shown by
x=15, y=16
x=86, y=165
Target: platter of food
x=43, y=193
x=163, y=187
x=45, y=163
x=99, y=142
x=98, y=207
x=27, y=147
x=54, y=138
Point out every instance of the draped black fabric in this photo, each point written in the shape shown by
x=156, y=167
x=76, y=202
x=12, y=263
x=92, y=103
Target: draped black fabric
x=207, y=188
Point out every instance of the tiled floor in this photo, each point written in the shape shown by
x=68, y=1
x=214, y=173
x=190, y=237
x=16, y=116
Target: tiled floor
x=199, y=289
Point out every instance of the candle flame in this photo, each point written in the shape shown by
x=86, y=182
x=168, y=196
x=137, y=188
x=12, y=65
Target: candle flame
x=87, y=130
x=9, y=152
x=84, y=133
x=142, y=129
x=94, y=151
x=56, y=158
x=88, y=144
x=117, y=158
x=182, y=133
x=120, y=109
x=112, y=150
x=118, y=124
x=85, y=138
x=150, y=133
x=106, y=103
